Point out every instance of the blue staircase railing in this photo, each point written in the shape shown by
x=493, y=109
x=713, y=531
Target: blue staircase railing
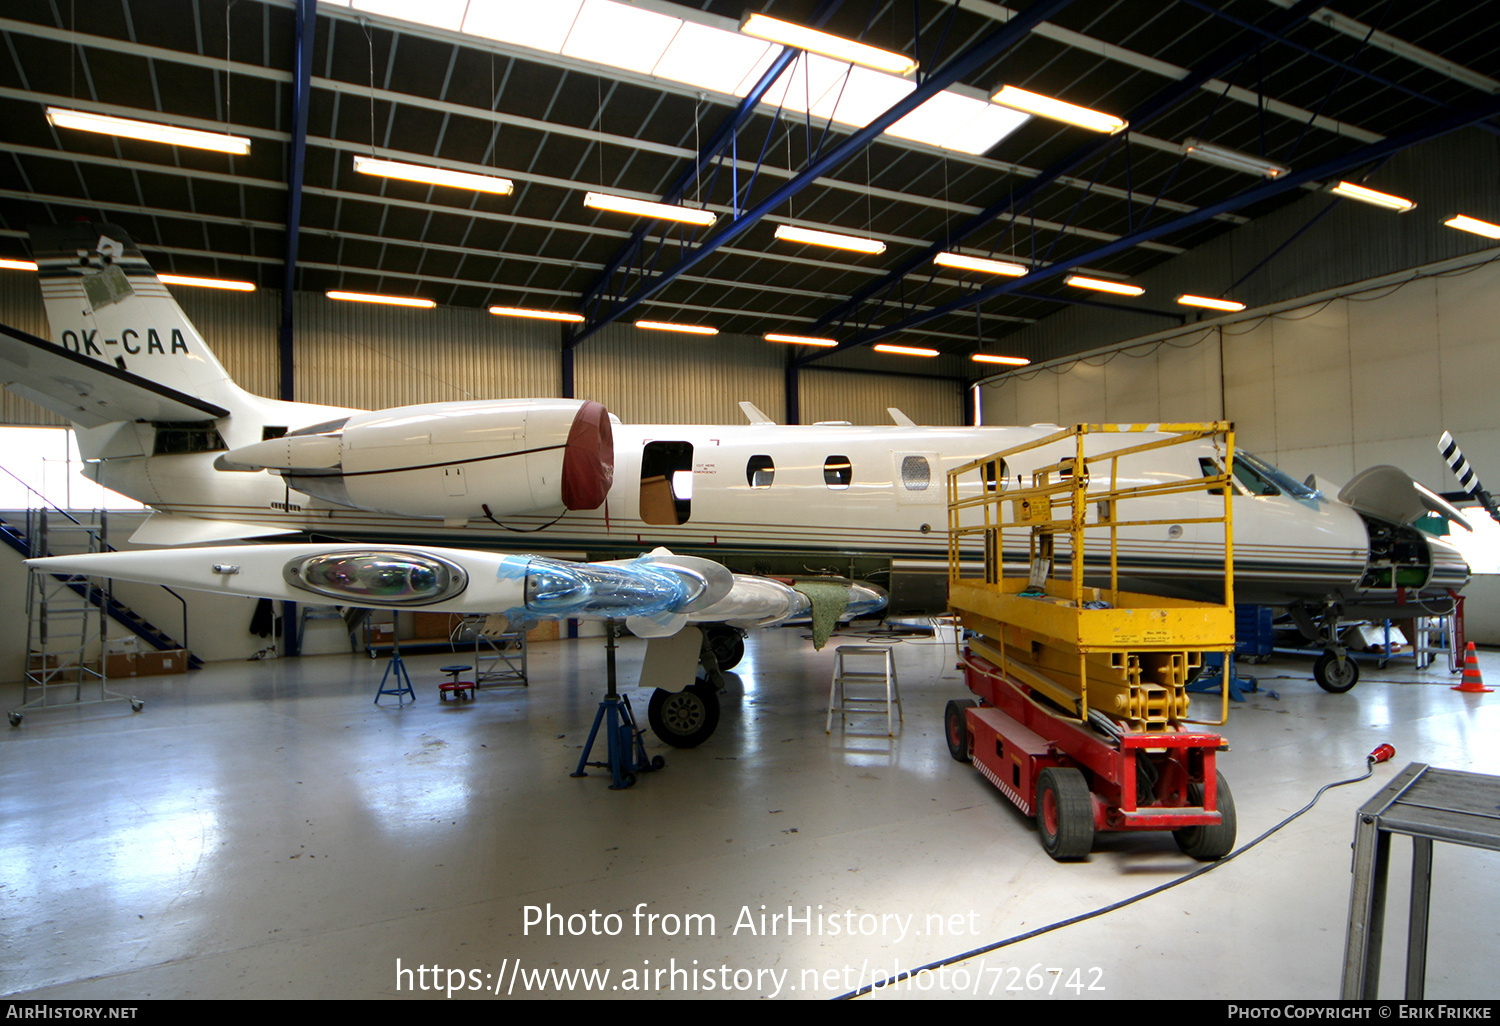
x=95, y=595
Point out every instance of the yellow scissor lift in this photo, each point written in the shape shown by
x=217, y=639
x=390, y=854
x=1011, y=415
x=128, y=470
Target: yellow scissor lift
x=1082, y=711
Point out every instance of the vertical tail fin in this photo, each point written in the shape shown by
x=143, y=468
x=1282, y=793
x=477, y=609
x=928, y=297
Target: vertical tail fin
x=104, y=302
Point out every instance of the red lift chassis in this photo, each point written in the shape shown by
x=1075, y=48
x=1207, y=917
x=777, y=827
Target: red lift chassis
x=1077, y=781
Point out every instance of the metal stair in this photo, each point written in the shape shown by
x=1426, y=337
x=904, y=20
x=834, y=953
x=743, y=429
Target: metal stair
x=122, y=614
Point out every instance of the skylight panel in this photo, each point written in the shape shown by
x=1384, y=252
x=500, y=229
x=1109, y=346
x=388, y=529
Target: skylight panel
x=805, y=82
x=711, y=58
x=865, y=96
x=542, y=26
x=445, y=14
x=991, y=124
x=958, y=122
x=620, y=36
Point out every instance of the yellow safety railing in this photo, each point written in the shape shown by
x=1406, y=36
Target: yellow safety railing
x=1071, y=472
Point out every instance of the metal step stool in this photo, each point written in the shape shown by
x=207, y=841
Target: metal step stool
x=839, y=698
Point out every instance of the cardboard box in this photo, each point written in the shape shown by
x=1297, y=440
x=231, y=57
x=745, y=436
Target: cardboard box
x=544, y=631
x=152, y=664
x=120, y=664
x=657, y=503
x=430, y=626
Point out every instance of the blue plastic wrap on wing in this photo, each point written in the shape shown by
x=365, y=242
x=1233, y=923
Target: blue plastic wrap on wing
x=864, y=606
x=512, y=568
x=555, y=589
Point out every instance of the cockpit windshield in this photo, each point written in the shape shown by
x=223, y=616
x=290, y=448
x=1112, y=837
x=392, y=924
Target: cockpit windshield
x=1261, y=478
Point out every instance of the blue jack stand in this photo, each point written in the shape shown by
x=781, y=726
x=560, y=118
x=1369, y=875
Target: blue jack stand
x=627, y=752
x=403, y=679
x=1214, y=666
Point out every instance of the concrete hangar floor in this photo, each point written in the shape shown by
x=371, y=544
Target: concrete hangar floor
x=263, y=830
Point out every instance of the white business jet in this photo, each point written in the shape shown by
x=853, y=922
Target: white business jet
x=654, y=511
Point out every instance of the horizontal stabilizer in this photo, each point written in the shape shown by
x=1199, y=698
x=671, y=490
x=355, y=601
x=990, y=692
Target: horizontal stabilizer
x=169, y=529
x=89, y=392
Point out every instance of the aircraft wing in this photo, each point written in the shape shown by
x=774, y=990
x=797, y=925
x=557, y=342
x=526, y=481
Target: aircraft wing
x=656, y=593
x=86, y=391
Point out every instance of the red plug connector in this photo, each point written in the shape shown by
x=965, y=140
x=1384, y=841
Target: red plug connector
x=1385, y=753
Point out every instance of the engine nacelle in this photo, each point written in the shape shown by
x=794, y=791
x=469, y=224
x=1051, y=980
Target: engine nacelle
x=449, y=460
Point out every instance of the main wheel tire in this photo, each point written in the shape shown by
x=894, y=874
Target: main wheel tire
x=1209, y=843
x=686, y=718
x=956, y=728
x=1064, y=813
x=728, y=646
x=1332, y=677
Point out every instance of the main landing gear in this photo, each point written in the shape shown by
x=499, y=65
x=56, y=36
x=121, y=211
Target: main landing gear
x=689, y=717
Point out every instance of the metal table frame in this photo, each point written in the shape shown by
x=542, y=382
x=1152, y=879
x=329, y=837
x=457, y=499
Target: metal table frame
x=1427, y=805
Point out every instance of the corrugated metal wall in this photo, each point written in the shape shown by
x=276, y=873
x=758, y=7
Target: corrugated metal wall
x=21, y=307
x=863, y=398
x=663, y=377
x=371, y=357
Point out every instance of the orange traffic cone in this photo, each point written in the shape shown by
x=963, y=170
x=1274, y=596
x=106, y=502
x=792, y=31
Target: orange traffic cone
x=1472, y=682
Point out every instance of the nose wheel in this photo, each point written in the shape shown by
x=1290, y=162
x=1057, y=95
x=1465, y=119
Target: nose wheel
x=1335, y=672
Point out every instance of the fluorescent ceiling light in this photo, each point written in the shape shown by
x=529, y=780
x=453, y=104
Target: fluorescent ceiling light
x=833, y=240
x=691, y=329
x=369, y=297
x=445, y=14
x=970, y=263
x=1011, y=361
x=800, y=340
x=126, y=128
x=904, y=350
x=1473, y=224
x=1233, y=159
x=643, y=208
x=207, y=283
x=433, y=175
x=1370, y=196
x=18, y=265
x=1118, y=288
x=541, y=26
x=545, y=315
x=837, y=47
x=1057, y=110
x=620, y=35
x=1211, y=304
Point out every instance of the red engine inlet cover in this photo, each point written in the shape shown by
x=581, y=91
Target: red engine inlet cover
x=589, y=462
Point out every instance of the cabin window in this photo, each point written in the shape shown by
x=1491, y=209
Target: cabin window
x=996, y=475
x=916, y=473
x=837, y=472
x=666, y=482
x=760, y=471
x=176, y=439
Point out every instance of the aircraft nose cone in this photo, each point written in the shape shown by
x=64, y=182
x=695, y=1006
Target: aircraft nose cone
x=589, y=460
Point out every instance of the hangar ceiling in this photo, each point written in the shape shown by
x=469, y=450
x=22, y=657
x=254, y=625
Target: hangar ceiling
x=1329, y=92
